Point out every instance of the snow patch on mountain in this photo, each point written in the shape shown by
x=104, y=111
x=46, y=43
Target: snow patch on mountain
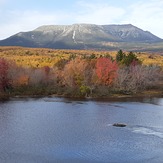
x=73, y=37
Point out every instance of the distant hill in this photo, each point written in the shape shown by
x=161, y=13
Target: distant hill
x=86, y=36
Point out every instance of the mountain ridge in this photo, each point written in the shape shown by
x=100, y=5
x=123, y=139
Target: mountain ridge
x=81, y=36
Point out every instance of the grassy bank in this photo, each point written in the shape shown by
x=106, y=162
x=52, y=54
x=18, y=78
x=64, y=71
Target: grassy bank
x=4, y=96
x=49, y=91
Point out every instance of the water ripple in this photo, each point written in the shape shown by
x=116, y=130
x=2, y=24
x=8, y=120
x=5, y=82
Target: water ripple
x=148, y=131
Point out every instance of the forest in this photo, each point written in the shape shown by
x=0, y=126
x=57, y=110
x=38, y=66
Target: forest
x=78, y=73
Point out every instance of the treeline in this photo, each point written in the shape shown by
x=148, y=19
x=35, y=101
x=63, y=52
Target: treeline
x=81, y=76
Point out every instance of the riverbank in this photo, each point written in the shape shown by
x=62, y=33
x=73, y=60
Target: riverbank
x=4, y=96
x=111, y=96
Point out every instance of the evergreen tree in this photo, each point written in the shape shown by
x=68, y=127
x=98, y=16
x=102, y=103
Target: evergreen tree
x=130, y=58
x=120, y=56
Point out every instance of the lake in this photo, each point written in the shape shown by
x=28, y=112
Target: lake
x=77, y=131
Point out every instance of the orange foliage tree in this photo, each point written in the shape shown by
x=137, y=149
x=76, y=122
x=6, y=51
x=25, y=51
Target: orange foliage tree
x=22, y=80
x=79, y=74
x=73, y=72
x=106, y=70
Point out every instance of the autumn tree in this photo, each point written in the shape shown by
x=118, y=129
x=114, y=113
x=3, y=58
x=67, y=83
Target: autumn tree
x=4, y=80
x=106, y=70
x=73, y=73
x=80, y=74
x=41, y=76
x=18, y=75
x=37, y=76
x=90, y=76
x=137, y=78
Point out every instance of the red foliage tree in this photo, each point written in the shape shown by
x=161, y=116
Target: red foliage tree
x=4, y=81
x=106, y=70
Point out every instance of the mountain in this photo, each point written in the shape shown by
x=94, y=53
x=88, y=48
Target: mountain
x=83, y=36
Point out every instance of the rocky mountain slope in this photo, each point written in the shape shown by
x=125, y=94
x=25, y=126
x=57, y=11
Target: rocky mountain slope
x=82, y=36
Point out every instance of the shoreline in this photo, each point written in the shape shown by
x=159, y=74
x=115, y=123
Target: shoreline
x=113, y=97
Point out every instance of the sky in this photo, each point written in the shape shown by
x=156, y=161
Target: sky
x=26, y=15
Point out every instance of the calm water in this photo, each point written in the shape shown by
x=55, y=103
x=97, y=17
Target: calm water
x=61, y=131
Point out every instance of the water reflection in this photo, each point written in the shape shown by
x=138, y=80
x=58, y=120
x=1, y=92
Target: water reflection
x=150, y=100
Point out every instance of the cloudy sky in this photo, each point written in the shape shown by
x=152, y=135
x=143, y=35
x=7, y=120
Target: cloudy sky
x=26, y=15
